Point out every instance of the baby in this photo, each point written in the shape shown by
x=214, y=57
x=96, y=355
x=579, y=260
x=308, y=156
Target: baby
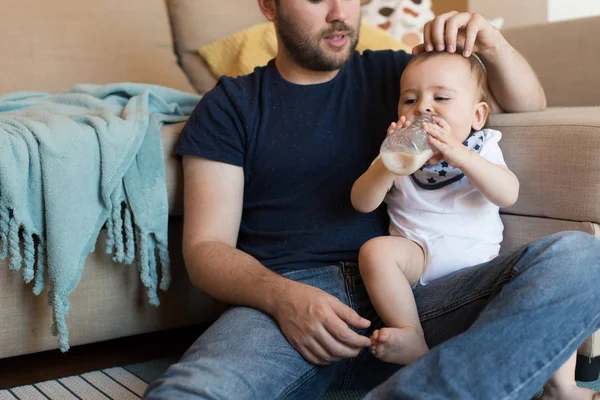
x=445, y=216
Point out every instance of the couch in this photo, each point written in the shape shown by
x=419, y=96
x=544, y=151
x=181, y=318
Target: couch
x=51, y=46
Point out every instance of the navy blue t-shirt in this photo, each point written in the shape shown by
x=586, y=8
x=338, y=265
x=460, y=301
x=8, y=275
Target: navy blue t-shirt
x=301, y=148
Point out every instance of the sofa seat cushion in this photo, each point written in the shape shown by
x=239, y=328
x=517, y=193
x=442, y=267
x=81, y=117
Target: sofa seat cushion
x=555, y=155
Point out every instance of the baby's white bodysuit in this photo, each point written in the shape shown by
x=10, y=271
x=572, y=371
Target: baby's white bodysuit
x=456, y=225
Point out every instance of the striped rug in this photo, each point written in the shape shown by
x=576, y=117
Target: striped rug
x=119, y=383
x=112, y=383
x=129, y=383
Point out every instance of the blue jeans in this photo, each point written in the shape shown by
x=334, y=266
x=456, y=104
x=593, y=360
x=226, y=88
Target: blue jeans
x=498, y=330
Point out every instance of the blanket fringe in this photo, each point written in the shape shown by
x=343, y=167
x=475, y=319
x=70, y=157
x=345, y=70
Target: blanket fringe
x=14, y=247
x=110, y=236
x=4, y=220
x=61, y=307
x=29, y=252
x=41, y=266
x=126, y=241
x=117, y=223
x=144, y=266
x=120, y=241
x=129, y=237
x=152, y=264
x=23, y=248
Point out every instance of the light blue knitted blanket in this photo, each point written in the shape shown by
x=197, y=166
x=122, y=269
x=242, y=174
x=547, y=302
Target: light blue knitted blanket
x=74, y=162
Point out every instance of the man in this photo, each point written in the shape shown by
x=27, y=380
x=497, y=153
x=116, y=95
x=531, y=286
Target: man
x=269, y=161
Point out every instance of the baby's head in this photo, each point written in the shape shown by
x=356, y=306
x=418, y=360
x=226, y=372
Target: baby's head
x=447, y=84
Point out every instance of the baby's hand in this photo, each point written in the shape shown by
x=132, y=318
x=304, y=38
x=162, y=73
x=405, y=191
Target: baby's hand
x=403, y=122
x=451, y=149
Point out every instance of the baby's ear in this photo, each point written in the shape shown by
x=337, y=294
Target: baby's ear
x=480, y=115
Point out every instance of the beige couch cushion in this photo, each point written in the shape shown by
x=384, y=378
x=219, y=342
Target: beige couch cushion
x=200, y=22
x=53, y=45
x=520, y=229
x=555, y=155
x=565, y=57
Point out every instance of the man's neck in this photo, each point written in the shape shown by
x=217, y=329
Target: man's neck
x=294, y=73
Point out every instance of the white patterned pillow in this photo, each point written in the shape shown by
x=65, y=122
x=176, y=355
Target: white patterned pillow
x=403, y=19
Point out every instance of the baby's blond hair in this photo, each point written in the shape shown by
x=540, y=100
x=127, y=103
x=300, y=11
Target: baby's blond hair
x=476, y=65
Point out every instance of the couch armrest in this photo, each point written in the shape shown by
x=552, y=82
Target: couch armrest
x=556, y=155
x=564, y=58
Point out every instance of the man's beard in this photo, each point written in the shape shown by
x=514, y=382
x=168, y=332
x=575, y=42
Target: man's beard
x=307, y=52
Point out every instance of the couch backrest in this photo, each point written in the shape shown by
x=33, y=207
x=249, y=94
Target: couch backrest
x=199, y=22
x=565, y=57
x=53, y=45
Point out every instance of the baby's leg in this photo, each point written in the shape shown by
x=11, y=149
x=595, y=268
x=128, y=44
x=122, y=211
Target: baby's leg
x=562, y=385
x=389, y=266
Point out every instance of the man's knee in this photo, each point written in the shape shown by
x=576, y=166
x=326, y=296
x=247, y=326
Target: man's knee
x=575, y=254
x=575, y=245
x=204, y=378
x=575, y=241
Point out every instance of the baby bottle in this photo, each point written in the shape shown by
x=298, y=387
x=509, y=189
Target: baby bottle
x=406, y=149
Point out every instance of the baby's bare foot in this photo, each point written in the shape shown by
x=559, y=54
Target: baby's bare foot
x=569, y=392
x=374, y=341
x=398, y=345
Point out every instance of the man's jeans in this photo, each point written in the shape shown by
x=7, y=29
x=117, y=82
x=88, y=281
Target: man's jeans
x=497, y=331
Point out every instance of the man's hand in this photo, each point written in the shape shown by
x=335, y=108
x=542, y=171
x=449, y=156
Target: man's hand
x=316, y=324
x=449, y=31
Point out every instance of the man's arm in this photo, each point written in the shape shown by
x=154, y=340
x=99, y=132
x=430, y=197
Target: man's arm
x=314, y=322
x=213, y=195
x=512, y=82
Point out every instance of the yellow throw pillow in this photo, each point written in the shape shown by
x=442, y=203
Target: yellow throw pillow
x=240, y=53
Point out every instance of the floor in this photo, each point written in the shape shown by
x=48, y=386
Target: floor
x=53, y=364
